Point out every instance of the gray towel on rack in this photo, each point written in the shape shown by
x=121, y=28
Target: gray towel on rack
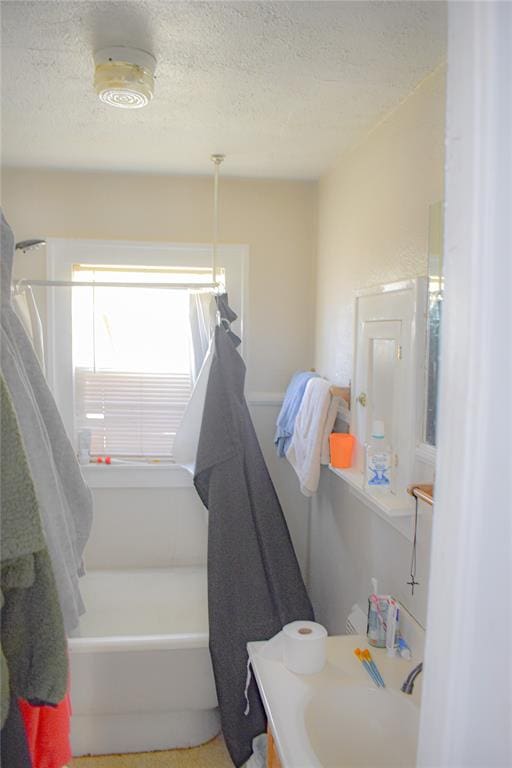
x=254, y=582
x=65, y=502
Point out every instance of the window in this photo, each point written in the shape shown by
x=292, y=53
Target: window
x=131, y=359
x=120, y=357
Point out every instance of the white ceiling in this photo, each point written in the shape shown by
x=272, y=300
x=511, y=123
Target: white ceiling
x=280, y=87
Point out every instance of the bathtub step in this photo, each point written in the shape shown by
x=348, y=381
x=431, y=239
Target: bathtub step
x=149, y=601
x=141, y=673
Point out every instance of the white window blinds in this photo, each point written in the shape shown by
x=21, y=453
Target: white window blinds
x=131, y=360
x=131, y=414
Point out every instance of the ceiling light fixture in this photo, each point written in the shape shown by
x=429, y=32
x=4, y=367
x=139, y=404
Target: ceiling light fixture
x=124, y=77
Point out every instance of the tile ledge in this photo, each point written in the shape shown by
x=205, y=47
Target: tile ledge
x=397, y=510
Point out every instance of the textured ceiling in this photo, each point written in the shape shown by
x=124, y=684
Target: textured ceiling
x=280, y=87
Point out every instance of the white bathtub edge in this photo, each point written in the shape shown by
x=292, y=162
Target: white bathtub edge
x=142, y=732
x=138, y=642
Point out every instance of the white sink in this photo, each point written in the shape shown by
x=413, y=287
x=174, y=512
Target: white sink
x=338, y=718
x=349, y=725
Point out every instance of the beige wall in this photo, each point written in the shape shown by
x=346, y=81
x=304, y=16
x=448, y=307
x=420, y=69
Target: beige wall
x=373, y=217
x=277, y=219
x=373, y=228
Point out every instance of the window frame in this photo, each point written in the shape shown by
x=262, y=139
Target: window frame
x=62, y=253
x=426, y=452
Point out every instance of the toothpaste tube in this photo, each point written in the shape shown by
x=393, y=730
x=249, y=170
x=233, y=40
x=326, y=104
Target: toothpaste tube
x=377, y=619
x=403, y=649
x=392, y=627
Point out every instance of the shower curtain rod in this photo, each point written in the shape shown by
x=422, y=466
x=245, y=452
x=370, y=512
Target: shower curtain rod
x=217, y=161
x=18, y=284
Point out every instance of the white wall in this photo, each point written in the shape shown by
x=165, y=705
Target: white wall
x=295, y=506
x=466, y=712
x=350, y=544
x=372, y=228
x=146, y=527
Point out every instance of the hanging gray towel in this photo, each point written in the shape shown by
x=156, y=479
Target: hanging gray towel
x=254, y=582
x=32, y=630
x=65, y=502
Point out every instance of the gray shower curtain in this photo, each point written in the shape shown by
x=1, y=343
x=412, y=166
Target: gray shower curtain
x=254, y=581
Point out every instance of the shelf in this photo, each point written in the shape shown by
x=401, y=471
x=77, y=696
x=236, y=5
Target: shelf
x=136, y=476
x=388, y=504
x=423, y=492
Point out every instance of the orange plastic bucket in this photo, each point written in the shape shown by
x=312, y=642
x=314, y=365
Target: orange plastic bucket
x=341, y=449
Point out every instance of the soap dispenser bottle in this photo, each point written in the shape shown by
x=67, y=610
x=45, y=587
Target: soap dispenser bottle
x=379, y=461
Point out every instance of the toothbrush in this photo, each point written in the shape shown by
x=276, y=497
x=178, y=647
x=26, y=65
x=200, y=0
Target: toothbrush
x=376, y=601
x=374, y=597
x=367, y=667
x=359, y=653
x=392, y=627
x=368, y=657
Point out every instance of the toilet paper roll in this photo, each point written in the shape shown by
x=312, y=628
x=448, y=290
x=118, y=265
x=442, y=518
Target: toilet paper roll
x=304, y=647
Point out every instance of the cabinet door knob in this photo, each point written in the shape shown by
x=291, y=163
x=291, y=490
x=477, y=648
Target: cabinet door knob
x=362, y=399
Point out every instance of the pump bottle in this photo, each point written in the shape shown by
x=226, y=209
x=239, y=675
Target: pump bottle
x=379, y=461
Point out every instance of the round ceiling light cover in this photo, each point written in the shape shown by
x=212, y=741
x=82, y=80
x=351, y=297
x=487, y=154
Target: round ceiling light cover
x=124, y=77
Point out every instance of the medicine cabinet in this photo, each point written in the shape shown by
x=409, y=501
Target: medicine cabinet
x=389, y=370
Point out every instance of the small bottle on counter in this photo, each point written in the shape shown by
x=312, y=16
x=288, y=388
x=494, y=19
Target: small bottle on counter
x=379, y=461
x=84, y=446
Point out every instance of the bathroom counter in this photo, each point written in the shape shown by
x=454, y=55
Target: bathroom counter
x=287, y=695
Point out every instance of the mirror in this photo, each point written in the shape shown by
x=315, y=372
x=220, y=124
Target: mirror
x=386, y=370
x=383, y=360
x=434, y=315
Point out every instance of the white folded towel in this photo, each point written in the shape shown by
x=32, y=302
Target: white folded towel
x=310, y=442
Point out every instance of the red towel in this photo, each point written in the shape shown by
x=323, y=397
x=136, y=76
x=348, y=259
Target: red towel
x=48, y=730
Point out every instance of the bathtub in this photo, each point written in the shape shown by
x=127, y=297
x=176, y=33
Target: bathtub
x=141, y=674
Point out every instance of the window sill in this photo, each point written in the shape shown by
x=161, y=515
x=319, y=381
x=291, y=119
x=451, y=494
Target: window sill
x=397, y=510
x=132, y=476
